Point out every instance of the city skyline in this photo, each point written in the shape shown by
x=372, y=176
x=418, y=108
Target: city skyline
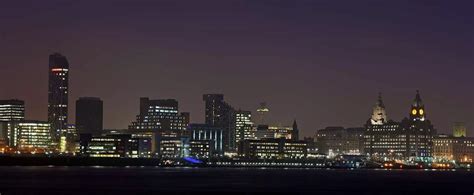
x=334, y=60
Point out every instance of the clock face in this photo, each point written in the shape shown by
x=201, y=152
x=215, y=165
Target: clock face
x=421, y=111
x=413, y=112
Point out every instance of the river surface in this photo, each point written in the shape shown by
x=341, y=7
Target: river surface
x=158, y=180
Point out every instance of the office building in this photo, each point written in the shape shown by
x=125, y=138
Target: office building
x=116, y=145
x=201, y=149
x=273, y=149
x=89, y=115
x=450, y=148
x=340, y=141
x=220, y=114
x=30, y=135
x=58, y=95
x=204, y=132
x=243, y=126
x=160, y=115
x=11, y=112
x=173, y=147
x=263, y=132
x=459, y=129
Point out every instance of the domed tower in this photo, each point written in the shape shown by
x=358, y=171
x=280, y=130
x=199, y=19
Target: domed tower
x=417, y=112
x=379, y=116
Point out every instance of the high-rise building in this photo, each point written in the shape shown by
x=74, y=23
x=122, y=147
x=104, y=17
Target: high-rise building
x=220, y=114
x=12, y=110
x=243, y=126
x=459, y=129
x=58, y=95
x=160, y=115
x=409, y=140
x=420, y=132
x=89, y=115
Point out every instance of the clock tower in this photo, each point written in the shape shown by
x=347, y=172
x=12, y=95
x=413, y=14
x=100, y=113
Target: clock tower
x=417, y=112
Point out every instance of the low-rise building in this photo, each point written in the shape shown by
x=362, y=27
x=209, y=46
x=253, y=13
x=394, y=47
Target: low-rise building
x=32, y=135
x=273, y=149
x=339, y=140
x=450, y=148
x=201, y=149
x=116, y=145
x=212, y=134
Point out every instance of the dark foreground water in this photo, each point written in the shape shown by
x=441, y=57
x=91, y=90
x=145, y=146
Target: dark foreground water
x=154, y=180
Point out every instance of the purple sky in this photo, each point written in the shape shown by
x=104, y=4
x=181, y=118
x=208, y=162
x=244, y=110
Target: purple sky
x=321, y=62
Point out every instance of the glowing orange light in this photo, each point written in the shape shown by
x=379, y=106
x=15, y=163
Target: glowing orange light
x=59, y=70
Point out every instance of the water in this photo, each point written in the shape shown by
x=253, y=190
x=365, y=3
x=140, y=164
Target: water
x=156, y=180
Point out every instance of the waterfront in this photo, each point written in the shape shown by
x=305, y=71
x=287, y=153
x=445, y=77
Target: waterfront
x=135, y=180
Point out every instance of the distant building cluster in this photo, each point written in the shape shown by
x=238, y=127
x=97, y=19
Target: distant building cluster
x=161, y=130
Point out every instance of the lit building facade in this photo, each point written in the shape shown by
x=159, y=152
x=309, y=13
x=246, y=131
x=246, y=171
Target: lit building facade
x=338, y=140
x=11, y=112
x=204, y=132
x=173, y=147
x=386, y=141
x=160, y=115
x=263, y=132
x=32, y=135
x=459, y=129
x=201, y=149
x=220, y=114
x=58, y=95
x=111, y=146
x=273, y=149
x=450, y=148
x=89, y=115
x=243, y=126
x=409, y=140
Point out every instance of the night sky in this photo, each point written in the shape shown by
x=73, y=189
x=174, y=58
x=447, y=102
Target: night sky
x=321, y=62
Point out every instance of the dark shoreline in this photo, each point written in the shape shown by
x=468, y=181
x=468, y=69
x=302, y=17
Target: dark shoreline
x=6, y=161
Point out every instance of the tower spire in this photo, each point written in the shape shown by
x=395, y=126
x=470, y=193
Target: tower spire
x=296, y=132
x=417, y=108
x=380, y=101
x=379, y=116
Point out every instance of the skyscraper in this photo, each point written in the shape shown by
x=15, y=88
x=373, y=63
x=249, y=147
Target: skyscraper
x=220, y=114
x=89, y=115
x=58, y=95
